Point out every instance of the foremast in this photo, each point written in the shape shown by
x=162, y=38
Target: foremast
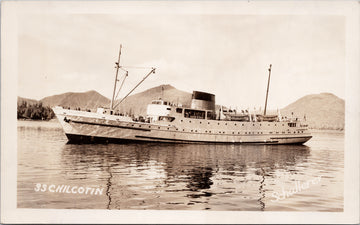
x=113, y=99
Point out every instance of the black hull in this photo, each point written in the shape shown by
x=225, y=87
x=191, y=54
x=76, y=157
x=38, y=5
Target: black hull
x=85, y=139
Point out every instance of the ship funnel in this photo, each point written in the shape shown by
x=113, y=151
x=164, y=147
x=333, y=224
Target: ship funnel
x=203, y=101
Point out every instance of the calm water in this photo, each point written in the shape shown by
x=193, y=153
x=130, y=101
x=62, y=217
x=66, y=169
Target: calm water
x=178, y=177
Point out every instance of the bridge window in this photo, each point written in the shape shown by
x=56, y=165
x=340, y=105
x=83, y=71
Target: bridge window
x=292, y=124
x=196, y=114
x=179, y=110
x=157, y=102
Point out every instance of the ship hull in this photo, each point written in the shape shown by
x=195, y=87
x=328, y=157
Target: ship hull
x=90, y=128
x=85, y=139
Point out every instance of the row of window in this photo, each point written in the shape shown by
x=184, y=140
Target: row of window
x=269, y=124
x=223, y=132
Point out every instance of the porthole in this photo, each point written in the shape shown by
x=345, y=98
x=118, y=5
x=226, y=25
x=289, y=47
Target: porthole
x=189, y=121
x=225, y=123
x=159, y=127
x=218, y=123
x=269, y=124
x=200, y=122
x=183, y=129
x=208, y=122
x=275, y=124
x=139, y=125
x=253, y=124
x=260, y=124
x=283, y=125
x=149, y=126
x=168, y=128
x=233, y=132
x=181, y=120
x=242, y=124
x=235, y=124
x=238, y=132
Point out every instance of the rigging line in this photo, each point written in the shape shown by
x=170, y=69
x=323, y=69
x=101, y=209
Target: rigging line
x=122, y=83
x=120, y=67
x=152, y=71
x=137, y=67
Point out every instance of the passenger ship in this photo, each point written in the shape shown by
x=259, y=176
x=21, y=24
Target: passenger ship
x=166, y=122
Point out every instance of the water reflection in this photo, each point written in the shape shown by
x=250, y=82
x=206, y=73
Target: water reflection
x=174, y=176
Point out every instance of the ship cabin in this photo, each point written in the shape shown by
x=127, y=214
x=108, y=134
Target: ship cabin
x=160, y=110
x=202, y=107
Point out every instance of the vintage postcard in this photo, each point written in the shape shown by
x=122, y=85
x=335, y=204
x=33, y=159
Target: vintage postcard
x=180, y=111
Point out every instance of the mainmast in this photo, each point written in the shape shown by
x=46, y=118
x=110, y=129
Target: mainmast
x=267, y=90
x=116, y=80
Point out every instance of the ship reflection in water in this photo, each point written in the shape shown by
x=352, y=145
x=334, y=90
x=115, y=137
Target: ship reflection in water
x=179, y=176
x=185, y=176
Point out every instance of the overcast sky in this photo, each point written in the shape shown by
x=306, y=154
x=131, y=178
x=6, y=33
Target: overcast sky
x=227, y=55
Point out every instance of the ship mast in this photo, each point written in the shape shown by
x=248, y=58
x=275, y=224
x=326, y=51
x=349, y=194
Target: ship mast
x=267, y=90
x=116, y=80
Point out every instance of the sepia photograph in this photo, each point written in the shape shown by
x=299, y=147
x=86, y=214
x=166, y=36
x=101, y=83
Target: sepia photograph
x=179, y=111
